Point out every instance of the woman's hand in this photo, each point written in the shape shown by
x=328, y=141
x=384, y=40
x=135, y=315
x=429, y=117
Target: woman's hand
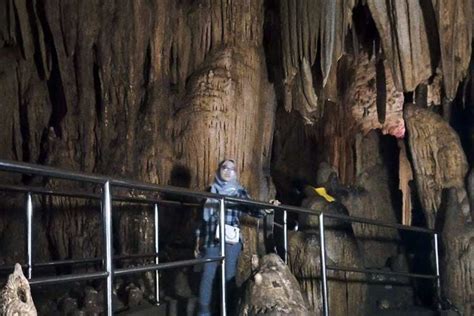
x=274, y=202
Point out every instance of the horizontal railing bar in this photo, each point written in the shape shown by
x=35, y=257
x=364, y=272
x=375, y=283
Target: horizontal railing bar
x=167, y=265
x=40, y=170
x=116, y=198
x=79, y=261
x=53, y=172
x=68, y=278
x=373, y=271
x=66, y=262
x=92, y=196
x=55, y=263
x=44, y=191
x=135, y=256
x=329, y=215
x=266, y=205
x=362, y=220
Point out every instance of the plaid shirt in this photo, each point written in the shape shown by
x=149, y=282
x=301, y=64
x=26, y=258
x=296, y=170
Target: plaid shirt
x=207, y=229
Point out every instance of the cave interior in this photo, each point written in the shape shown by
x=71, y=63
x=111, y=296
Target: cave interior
x=372, y=100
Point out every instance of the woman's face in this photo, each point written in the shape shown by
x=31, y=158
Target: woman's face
x=227, y=171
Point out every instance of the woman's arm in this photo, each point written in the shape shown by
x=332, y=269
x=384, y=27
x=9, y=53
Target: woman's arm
x=255, y=211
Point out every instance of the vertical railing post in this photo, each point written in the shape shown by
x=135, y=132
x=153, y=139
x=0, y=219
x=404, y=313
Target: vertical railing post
x=285, y=235
x=323, y=266
x=438, y=281
x=157, y=260
x=29, y=233
x=222, y=252
x=107, y=229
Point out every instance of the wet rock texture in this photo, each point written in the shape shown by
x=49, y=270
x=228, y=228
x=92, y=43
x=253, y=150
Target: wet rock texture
x=457, y=249
x=445, y=189
x=439, y=160
x=273, y=290
x=375, y=196
x=346, y=290
x=15, y=297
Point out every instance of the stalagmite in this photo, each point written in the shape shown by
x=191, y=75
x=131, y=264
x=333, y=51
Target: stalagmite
x=439, y=161
x=372, y=197
x=457, y=261
x=15, y=298
x=273, y=290
x=347, y=292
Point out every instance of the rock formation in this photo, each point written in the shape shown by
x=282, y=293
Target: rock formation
x=15, y=298
x=457, y=254
x=272, y=290
x=439, y=161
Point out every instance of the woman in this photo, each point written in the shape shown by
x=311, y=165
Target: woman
x=225, y=183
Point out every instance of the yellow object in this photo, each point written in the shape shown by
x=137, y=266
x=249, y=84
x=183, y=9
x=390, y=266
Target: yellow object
x=322, y=191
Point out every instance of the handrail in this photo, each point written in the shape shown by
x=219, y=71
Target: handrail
x=346, y=218
x=68, y=278
x=22, y=167
x=166, y=265
x=81, y=261
x=374, y=271
x=107, y=198
x=39, y=170
x=92, y=196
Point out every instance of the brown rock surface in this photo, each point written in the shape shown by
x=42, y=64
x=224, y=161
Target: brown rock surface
x=15, y=298
x=273, y=290
x=439, y=161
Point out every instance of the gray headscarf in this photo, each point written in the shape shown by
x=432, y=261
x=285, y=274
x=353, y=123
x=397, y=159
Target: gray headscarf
x=219, y=186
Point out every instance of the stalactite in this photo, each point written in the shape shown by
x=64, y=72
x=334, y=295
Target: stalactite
x=455, y=31
x=405, y=175
x=328, y=36
x=434, y=90
x=303, y=23
x=299, y=45
x=381, y=87
x=402, y=31
x=362, y=95
x=307, y=86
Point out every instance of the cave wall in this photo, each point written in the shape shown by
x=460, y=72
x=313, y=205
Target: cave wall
x=98, y=87
x=133, y=89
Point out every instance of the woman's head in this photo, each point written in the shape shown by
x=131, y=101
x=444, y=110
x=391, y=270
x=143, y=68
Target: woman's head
x=227, y=170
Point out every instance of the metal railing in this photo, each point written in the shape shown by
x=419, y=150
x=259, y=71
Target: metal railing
x=108, y=273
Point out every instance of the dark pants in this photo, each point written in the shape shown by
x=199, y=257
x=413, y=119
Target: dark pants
x=209, y=274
